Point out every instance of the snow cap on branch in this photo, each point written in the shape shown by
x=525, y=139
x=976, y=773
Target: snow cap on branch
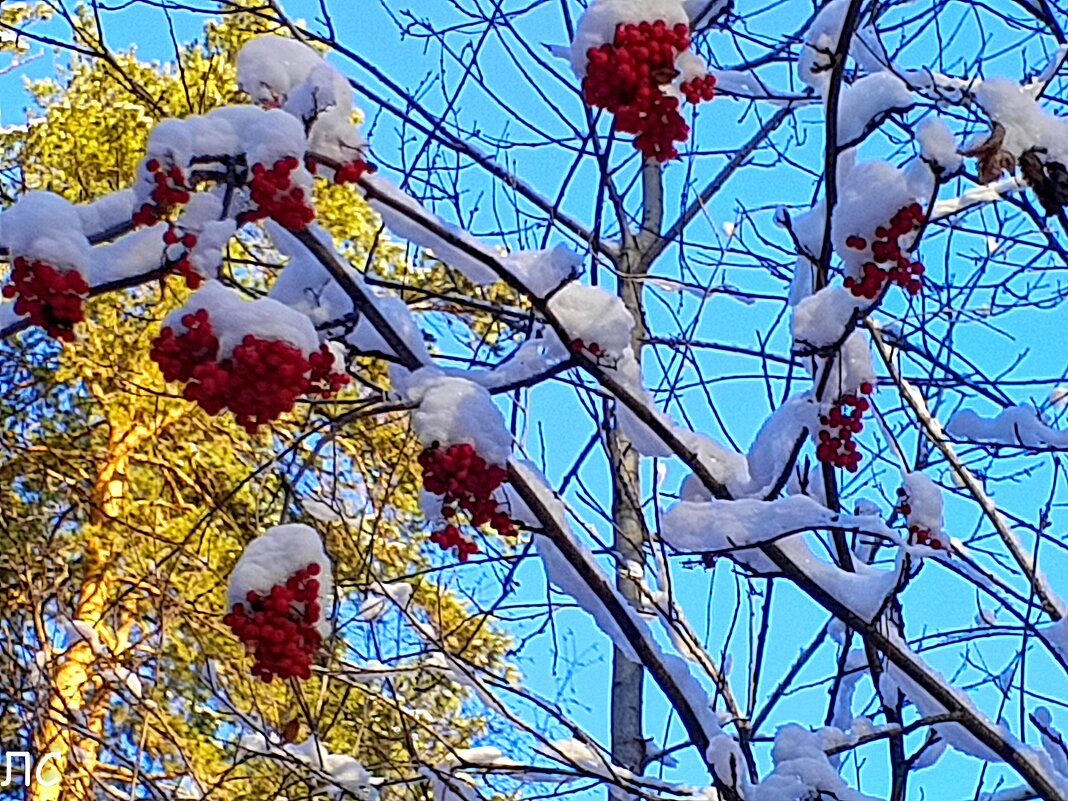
x=270, y=67
x=275, y=556
x=1026, y=124
x=870, y=193
x=542, y=271
x=283, y=73
x=938, y=148
x=822, y=319
x=821, y=41
x=262, y=136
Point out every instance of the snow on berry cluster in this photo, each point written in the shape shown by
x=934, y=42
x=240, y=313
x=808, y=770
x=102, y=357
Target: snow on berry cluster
x=167, y=189
x=49, y=259
x=634, y=60
x=920, y=501
x=836, y=444
x=466, y=482
x=466, y=446
x=279, y=592
x=889, y=262
x=259, y=376
x=274, y=193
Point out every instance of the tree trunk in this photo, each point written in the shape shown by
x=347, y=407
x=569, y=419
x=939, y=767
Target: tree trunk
x=71, y=699
x=627, y=703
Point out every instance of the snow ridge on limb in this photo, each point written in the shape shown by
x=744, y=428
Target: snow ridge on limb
x=738, y=529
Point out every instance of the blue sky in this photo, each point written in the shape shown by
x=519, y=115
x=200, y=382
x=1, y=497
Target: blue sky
x=721, y=127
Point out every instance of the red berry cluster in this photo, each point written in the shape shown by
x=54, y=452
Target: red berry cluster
x=170, y=190
x=181, y=264
x=275, y=196
x=625, y=77
x=836, y=445
x=889, y=264
x=353, y=171
x=259, y=382
x=697, y=89
x=450, y=537
x=178, y=355
x=923, y=537
x=466, y=481
x=49, y=297
x=595, y=350
x=278, y=629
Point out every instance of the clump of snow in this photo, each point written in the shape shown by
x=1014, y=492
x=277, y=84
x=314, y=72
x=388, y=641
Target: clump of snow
x=283, y=73
x=598, y=24
x=562, y=575
x=866, y=100
x=925, y=502
x=853, y=366
x=820, y=43
x=306, y=286
x=42, y=226
x=233, y=318
x=1056, y=634
x=938, y=148
x=1022, y=426
x=1052, y=741
x=1026, y=124
x=263, y=136
x=272, y=558
x=136, y=253
x=394, y=595
x=453, y=410
x=824, y=318
x=802, y=771
x=953, y=733
x=594, y=316
x=728, y=763
x=726, y=466
x=107, y=211
x=269, y=67
x=770, y=452
x=203, y=216
x=542, y=271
